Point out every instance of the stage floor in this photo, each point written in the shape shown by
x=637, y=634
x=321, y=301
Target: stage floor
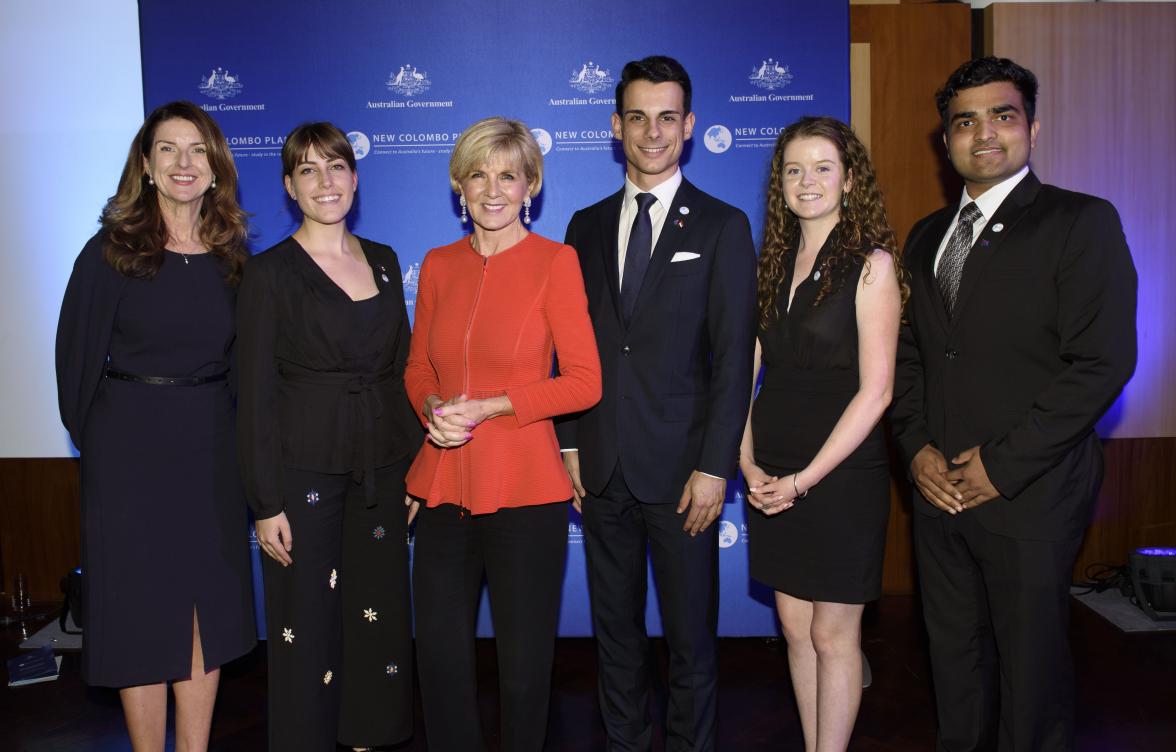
x=1126, y=695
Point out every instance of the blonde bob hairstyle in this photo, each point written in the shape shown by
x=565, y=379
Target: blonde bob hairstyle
x=496, y=138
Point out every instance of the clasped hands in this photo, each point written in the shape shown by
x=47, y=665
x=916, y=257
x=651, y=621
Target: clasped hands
x=966, y=486
x=768, y=493
x=451, y=422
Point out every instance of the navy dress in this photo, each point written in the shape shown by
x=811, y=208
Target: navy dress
x=829, y=546
x=164, y=527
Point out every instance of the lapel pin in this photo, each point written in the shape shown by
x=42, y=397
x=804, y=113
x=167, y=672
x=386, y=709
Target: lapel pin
x=816, y=275
x=997, y=227
x=384, y=273
x=683, y=209
x=984, y=242
x=679, y=223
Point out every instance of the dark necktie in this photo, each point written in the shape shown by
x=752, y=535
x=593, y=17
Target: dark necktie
x=637, y=254
x=951, y=264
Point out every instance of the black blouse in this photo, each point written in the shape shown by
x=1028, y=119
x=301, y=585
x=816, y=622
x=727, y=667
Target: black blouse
x=321, y=375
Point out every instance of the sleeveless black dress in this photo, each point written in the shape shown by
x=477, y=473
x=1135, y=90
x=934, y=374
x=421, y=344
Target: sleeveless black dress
x=164, y=526
x=829, y=546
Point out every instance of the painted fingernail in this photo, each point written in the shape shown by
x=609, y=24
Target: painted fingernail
x=436, y=411
x=469, y=436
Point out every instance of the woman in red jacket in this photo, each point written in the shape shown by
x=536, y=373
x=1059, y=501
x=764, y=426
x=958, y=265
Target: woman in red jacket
x=492, y=309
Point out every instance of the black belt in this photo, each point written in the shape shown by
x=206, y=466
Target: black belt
x=165, y=380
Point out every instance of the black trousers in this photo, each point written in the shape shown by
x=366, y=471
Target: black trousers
x=997, y=615
x=619, y=534
x=337, y=619
x=522, y=553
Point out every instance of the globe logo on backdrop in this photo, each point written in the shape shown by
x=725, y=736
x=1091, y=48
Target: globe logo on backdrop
x=408, y=81
x=359, y=144
x=717, y=139
x=220, y=84
x=770, y=75
x=728, y=534
x=543, y=138
x=590, y=78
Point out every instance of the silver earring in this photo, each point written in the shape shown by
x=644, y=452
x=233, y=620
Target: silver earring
x=464, y=217
x=150, y=180
x=213, y=186
x=527, y=210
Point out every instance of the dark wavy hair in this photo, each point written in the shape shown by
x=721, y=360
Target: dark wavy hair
x=135, y=231
x=863, y=226
x=988, y=70
x=656, y=69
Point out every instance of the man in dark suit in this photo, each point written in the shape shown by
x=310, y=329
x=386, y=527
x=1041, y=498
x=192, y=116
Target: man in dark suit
x=1020, y=334
x=670, y=276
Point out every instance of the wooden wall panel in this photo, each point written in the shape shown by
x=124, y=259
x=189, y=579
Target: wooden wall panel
x=1107, y=109
x=39, y=523
x=911, y=51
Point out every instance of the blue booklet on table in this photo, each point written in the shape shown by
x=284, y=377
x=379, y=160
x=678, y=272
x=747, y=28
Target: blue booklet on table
x=39, y=665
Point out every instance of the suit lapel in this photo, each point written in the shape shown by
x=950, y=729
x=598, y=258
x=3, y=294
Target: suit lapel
x=669, y=241
x=929, y=246
x=1006, y=217
x=609, y=228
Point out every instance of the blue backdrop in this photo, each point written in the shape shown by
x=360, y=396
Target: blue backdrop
x=403, y=79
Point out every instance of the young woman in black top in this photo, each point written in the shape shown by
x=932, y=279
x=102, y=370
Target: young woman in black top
x=326, y=436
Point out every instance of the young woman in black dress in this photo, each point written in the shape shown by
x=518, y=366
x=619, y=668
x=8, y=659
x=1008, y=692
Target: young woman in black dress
x=326, y=435
x=830, y=293
x=144, y=354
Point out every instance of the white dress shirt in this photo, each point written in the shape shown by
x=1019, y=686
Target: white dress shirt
x=988, y=203
x=664, y=192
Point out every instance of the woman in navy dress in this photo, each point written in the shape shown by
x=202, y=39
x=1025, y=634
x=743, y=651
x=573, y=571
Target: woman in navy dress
x=830, y=293
x=144, y=367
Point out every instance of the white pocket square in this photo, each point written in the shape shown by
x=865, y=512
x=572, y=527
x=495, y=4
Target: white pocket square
x=683, y=256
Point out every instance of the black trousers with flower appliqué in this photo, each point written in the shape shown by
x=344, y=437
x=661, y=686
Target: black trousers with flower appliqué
x=338, y=619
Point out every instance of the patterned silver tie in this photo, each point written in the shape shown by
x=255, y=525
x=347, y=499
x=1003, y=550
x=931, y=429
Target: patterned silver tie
x=951, y=264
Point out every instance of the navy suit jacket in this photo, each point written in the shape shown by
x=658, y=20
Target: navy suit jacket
x=677, y=379
x=1041, y=343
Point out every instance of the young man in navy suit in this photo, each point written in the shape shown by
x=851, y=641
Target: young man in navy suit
x=670, y=277
x=1020, y=334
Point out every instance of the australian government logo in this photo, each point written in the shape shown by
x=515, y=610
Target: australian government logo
x=590, y=79
x=221, y=84
x=770, y=75
x=411, y=281
x=408, y=81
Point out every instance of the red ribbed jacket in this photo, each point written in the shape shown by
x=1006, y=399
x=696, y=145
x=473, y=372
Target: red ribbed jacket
x=486, y=327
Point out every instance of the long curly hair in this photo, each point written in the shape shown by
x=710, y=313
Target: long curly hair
x=862, y=228
x=136, y=234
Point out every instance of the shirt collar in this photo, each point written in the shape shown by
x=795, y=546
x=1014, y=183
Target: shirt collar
x=992, y=198
x=664, y=191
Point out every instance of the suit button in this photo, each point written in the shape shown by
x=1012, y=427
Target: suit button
x=625, y=349
x=951, y=354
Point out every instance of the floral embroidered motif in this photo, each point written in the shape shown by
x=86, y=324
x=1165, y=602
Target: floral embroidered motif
x=334, y=579
x=327, y=677
x=288, y=635
x=378, y=532
x=370, y=615
x=391, y=669
x=312, y=497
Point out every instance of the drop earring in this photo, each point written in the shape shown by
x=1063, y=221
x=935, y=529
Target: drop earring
x=527, y=210
x=212, y=187
x=150, y=180
x=464, y=216
x=844, y=201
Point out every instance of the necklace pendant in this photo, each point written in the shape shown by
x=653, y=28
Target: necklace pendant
x=185, y=259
